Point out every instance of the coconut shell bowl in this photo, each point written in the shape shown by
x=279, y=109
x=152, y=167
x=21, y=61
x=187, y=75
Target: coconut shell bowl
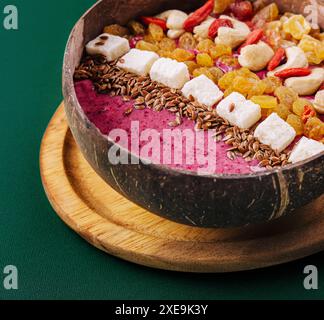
x=211, y=201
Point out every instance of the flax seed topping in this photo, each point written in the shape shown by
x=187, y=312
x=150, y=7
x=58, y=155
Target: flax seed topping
x=109, y=79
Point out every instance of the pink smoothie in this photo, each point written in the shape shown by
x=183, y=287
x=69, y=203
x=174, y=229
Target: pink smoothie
x=108, y=113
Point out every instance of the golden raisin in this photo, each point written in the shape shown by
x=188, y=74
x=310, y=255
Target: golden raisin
x=205, y=45
x=286, y=95
x=198, y=72
x=165, y=54
x=143, y=45
x=271, y=84
x=136, y=27
x=216, y=72
x=204, y=60
x=155, y=31
x=187, y=41
x=299, y=106
x=314, y=129
x=282, y=110
x=148, y=38
x=296, y=123
x=167, y=44
x=248, y=87
x=243, y=81
x=182, y=55
x=226, y=80
x=230, y=61
x=117, y=30
x=191, y=66
x=220, y=50
x=265, y=102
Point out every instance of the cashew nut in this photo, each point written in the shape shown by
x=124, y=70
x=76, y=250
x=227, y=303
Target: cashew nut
x=308, y=85
x=229, y=37
x=256, y=56
x=296, y=58
x=202, y=30
x=175, y=34
x=176, y=19
x=232, y=37
x=164, y=15
x=238, y=25
x=319, y=102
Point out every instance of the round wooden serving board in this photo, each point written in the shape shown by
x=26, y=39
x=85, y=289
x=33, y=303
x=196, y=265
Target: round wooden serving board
x=119, y=227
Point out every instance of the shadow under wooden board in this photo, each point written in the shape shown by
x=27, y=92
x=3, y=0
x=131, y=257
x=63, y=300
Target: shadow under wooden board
x=119, y=227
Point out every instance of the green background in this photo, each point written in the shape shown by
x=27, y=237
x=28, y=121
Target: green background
x=53, y=261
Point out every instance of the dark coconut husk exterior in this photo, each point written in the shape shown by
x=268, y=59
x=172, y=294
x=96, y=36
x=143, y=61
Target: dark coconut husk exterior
x=205, y=201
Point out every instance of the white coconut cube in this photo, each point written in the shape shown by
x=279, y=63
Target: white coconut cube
x=238, y=111
x=110, y=46
x=304, y=149
x=138, y=61
x=275, y=132
x=170, y=72
x=204, y=90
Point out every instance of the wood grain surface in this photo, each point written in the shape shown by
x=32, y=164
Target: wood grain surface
x=117, y=226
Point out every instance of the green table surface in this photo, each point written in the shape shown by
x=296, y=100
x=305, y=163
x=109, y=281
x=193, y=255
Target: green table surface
x=53, y=261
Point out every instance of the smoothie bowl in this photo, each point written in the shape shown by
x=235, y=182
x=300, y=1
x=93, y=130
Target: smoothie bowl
x=205, y=113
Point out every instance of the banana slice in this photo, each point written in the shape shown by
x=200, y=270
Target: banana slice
x=256, y=56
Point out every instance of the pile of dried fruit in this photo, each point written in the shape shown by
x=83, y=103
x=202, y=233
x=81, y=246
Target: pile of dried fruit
x=270, y=60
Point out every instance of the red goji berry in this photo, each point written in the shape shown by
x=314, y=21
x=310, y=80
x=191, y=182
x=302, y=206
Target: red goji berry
x=309, y=112
x=157, y=21
x=213, y=29
x=254, y=37
x=250, y=24
x=242, y=10
x=293, y=72
x=277, y=58
x=198, y=16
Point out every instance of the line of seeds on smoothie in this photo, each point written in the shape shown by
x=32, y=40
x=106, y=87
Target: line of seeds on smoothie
x=254, y=76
